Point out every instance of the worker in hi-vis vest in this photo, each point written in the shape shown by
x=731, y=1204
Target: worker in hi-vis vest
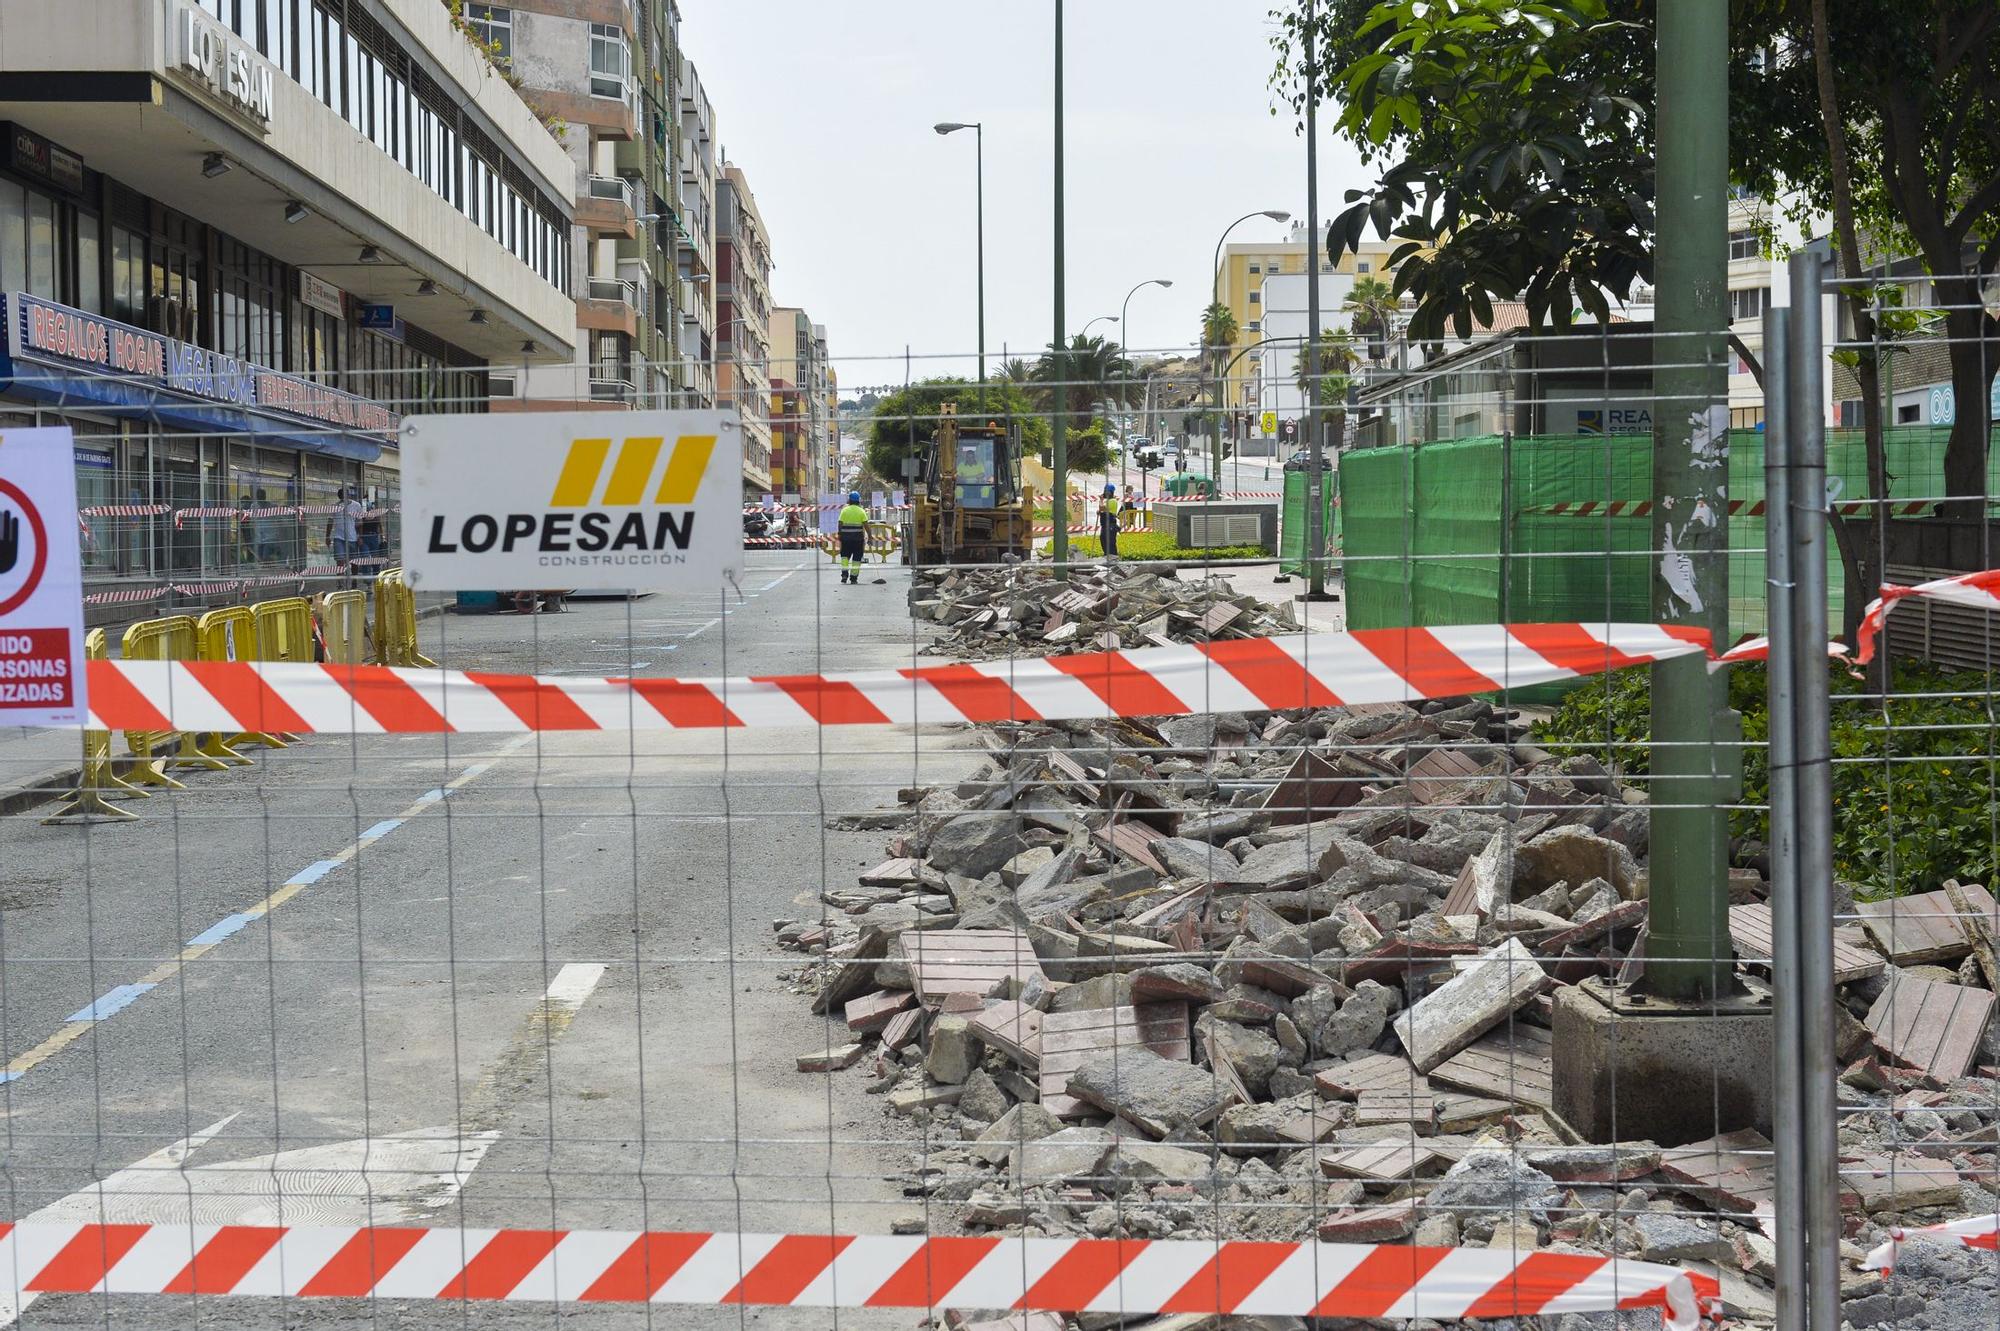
x=853, y=524
x=1107, y=521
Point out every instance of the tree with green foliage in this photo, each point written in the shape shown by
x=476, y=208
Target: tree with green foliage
x=1372, y=308
x=1087, y=449
x=1514, y=143
x=1095, y=368
x=1337, y=360
x=911, y=414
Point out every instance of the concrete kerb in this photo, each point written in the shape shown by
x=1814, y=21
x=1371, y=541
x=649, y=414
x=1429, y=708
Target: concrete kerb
x=54, y=782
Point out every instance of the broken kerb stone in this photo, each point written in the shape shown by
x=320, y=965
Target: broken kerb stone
x=1446, y=1021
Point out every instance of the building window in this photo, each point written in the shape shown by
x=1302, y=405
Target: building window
x=495, y=27
x=1363, y=266
x=1255, y=267
x=610, y=62
x=1256, y=325
x=1745, y=245
x=1256, y=298
x=1748, y=303
x=1910, y=414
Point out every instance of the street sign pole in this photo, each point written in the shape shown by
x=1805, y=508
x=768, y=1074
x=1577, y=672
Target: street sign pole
x=1058, y=429
x=1315, y=423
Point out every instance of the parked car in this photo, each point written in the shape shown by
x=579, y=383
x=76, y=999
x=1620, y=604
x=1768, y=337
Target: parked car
x=756, y=523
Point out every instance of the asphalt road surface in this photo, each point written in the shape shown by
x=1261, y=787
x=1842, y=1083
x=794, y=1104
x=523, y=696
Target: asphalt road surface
x=520, y=981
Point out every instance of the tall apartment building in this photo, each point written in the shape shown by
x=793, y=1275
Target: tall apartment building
x=1240, y=283
x=240, y=241
x=605, y=72
x=743, y=321
x=799, y=363
x=695, y=241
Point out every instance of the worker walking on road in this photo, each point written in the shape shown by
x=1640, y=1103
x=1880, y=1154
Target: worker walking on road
x=853, y=523
x=1107, y=521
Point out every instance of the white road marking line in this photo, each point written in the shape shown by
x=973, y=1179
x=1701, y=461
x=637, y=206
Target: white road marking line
x=695, y=633
x=573, y=984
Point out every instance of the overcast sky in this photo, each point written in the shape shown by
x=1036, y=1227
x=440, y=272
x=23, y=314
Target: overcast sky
x=827, y=105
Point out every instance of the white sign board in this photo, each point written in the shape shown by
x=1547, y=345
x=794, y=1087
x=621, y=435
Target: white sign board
x=42, y=681
x=574, y=500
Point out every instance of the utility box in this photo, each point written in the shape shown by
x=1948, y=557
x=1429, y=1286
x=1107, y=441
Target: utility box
x=1208, y=526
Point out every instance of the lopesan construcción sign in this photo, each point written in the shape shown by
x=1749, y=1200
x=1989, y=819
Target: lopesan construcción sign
x=223, y=65
x=644, y=499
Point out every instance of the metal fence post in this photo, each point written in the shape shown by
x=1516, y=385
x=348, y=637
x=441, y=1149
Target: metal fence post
x=1790, y=1218
x=1819, y=1138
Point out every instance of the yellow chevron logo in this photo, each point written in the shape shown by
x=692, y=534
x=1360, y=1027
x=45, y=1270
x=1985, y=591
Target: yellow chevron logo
x=632, y=473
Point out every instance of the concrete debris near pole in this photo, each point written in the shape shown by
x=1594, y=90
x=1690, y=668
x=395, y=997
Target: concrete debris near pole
x=1281, y=974
x=1024, y=610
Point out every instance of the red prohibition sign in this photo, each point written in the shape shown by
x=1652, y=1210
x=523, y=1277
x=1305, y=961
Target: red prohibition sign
x=35, y=569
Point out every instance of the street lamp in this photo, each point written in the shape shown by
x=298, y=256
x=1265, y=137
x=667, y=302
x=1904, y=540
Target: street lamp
x=1122, y=309
x=1215, y=298
x=1098, y=320
x=979, y=193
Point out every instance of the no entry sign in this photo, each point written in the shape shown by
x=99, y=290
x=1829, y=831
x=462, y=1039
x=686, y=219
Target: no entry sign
x=42, y=679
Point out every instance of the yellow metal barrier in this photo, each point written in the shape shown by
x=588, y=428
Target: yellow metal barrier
x=229, y=634
x=883, y=540
x=284, y=629
x=170, y=639
x=88, y=803
x=396, y=622
x=343, y=619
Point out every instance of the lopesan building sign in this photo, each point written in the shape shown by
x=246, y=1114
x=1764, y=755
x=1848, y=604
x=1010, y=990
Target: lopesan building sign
x=225, y=66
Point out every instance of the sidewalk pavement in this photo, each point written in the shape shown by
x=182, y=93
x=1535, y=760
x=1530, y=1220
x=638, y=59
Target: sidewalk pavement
x=37, y=766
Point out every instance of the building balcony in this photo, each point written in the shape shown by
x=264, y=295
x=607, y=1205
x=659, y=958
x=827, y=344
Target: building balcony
x=612, y=118
x=613, y=390
x=611, y=305
x=609, y=207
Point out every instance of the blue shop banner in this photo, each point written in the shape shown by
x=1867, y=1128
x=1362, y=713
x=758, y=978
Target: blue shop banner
x=75, y=358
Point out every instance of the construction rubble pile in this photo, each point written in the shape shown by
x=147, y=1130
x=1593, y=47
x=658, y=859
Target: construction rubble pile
x=1280, y=975
x=1021, y=610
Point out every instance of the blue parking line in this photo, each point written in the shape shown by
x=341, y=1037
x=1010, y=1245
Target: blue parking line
x=315, y=871
x=222, y=929
x=111, y=1001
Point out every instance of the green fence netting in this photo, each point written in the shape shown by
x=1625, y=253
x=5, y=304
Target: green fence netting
x=1423, y=541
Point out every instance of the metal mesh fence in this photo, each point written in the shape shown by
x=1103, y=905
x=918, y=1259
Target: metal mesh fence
x=1253, y=920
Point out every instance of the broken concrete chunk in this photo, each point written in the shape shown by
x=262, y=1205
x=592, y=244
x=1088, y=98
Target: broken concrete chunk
x=1180, y=979
x=831, y=1060
x=1448, y=1019
x=974, y=844
x=1160, y=1095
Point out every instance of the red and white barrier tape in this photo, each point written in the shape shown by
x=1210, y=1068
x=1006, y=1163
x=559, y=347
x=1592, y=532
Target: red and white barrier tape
x=1976, y=591
x=126, y=596
x=1636, y=508
x=1980, y=1231
x=1132, y=1276
x=225, y=586
x=124, y=510
x=776, y=509
x=181, y=515
x=1210, y=499
x=1242, y=674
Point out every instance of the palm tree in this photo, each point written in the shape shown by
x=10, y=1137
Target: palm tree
x=1021, y=374
x=1372, y=308
x=1337, y=359
x=1218, y=335
x=1093, y=368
